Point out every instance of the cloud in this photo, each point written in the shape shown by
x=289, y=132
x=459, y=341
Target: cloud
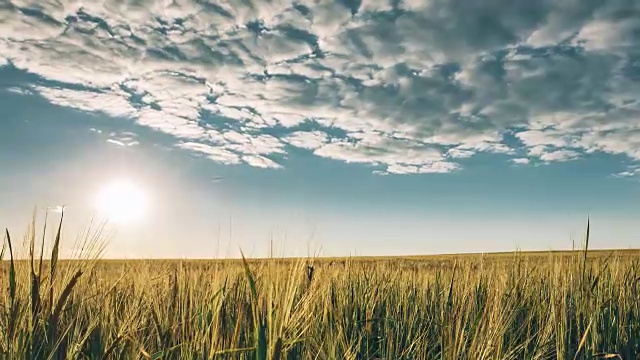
x=122, y=143
x=408, y=85
x=460, y=153
x=398, y=156
x=18, y=90
x=260, y=161
x=214, y=153
x=632, y=171
x=559, y=155
x=126, y=139
x=438, y=167
x=521, y=161
x=106, y=102
x=533, y=138
x=307, y=139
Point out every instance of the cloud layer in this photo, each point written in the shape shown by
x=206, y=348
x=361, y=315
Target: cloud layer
x=403, y=86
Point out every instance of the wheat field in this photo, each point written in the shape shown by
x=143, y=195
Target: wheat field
x=567, y=305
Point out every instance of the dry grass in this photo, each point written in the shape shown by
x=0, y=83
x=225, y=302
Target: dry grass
x=517, y=306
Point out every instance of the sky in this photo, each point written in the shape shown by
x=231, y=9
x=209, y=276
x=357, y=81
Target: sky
x=329, y=128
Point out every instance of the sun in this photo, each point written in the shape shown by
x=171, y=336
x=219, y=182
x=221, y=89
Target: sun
x=122, y=201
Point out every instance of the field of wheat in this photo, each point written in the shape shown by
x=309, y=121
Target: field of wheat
x=573, y=305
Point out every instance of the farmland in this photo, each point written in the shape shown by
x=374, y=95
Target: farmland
x=544, y=305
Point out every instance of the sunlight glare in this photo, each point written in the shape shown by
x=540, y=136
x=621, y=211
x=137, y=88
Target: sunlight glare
x=122, y=201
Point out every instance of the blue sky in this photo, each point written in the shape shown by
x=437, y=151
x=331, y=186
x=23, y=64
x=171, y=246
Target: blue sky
x=349, y=127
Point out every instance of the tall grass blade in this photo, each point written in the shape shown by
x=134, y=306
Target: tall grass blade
x=260, y=336
x=583, y=340
x=2, y=250
x=13, y=305
x=12, y=269
x=35, y=291
x=54, y=260
x=607, y=356
x=44, y=234
x=586, y=250
x=54, y=319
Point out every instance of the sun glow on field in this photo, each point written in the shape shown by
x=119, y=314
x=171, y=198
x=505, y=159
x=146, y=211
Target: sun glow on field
x=122, y=201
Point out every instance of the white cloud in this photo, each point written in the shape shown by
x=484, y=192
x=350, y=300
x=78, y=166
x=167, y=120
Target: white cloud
x=459, y=153
x=538, y=150
x=490, y=147
x=214, y=153
x=627, y=173
x=402, y=169
x=307, y=139
x=521, y=161
x=618, y=142
x=260, y=144
x=260, y=161
x=549, y=154
x=559, y=155
x=398, y=156
x=384, y=152
x=561, y=75
x=251, y=152
x=179, y=127
x=124, y=139
x=438, y=167
x=19, y=90
x=632, y=171
x=106, y=102
x=538, y=137
x=122, y=143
